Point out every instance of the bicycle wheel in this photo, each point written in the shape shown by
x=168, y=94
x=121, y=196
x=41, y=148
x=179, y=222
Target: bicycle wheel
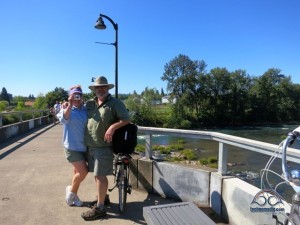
x=122, y=188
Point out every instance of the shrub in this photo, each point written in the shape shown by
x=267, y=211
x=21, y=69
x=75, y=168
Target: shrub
x=27, y=116
x=157, y=147
x=212, y=160
x=185, y=124
x=3, y=105
x=189, y=154
x=180, y=142
x=165, y=151
x=10, y=119
x=140, y=148
x=203, y=161
x=177, y=147
x=213, y=165
x=176, y=159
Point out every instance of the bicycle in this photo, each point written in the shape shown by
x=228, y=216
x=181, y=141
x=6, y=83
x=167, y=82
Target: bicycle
x=291, y=178
x=121, y=173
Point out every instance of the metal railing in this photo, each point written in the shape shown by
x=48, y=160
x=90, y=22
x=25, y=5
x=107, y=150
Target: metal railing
x=20, y=114
x=224, y=141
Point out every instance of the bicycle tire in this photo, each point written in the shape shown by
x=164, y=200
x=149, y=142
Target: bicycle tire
x=122, y=186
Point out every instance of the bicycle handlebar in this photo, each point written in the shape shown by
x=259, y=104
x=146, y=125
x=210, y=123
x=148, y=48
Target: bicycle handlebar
x=292, y=178
x=292, y=136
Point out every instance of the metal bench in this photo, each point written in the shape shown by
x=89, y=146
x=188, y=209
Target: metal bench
x=183, y=213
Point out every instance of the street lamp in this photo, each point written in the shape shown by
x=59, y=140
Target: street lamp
x=100, y=25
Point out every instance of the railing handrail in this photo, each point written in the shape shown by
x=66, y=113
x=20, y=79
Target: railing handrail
x=224, y=141
x=24, y=111
x=20, y=114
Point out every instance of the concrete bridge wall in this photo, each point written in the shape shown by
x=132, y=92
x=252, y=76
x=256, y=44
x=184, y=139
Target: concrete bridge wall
x=16, y=129
x=230, y=197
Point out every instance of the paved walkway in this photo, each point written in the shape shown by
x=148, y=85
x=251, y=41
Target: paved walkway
x=34, y=174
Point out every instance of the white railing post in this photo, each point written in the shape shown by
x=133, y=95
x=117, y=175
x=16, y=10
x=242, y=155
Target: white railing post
x=20, y=116
x=148, y=150
x=223, y=154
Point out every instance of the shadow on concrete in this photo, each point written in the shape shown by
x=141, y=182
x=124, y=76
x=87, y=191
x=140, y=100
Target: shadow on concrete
x=218, y=204
x=38, y=131
x=134, y=210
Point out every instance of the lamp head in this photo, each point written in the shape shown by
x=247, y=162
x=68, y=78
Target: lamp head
x=100, y=24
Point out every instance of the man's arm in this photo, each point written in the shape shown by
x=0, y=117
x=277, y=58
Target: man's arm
x=111, y=130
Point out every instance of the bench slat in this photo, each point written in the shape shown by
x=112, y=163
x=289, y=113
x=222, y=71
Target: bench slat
x=183, y=213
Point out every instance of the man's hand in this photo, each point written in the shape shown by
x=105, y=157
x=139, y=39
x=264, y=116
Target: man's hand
x=109, y=134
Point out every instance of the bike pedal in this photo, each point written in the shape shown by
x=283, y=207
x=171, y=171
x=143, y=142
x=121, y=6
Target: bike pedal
x=129, y=189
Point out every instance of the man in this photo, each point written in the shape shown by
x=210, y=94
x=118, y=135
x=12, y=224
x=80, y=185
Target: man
x=56, y=107
x=105, y=115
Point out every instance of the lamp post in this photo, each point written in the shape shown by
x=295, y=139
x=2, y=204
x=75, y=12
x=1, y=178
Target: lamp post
x=100, y=25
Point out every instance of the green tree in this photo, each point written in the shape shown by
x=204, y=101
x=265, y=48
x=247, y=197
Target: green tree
x=265, y=96
x=218, y=86
x=40, y=102
x=20, y=106
x=134, y=106
x=18, y=98
x=3, y=105
x=238, y=100
x=183, y=78
x=59, y=94
x=4, y=96
x=143, y=108
x=288, y=95
x=31, y=97
x=147, y=109
x=162, y=93
x=133, y=103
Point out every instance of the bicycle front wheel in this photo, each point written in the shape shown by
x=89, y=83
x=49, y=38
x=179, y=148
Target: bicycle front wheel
x=123, y=182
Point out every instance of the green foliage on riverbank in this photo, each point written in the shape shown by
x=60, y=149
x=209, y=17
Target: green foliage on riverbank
x=219, y=97
x=211, y=162
x=177, y=153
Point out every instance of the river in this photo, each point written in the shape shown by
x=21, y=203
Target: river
x=249, y=164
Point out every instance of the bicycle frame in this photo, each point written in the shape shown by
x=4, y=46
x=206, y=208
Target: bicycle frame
x=121, y=168
x=293, y=179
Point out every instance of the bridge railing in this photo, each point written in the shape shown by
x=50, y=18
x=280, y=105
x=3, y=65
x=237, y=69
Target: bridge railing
x=21, y=114
x=224, y=141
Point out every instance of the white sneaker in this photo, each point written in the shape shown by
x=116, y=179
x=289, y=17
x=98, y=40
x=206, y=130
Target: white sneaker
x=69, y=196
x=77, y=201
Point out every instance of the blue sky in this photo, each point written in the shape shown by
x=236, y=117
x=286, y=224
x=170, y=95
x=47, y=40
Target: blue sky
x=48, y=44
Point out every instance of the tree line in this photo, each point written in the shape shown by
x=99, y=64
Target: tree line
x=219, y=97
x=199, y=98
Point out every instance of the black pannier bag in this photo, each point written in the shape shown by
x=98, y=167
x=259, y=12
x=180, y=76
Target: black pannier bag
x=125, y=139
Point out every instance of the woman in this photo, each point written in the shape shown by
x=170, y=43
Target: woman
x=73, y=116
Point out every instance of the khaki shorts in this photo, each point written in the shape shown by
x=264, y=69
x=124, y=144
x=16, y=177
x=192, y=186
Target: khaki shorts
x=74, y=156
x=100, y=160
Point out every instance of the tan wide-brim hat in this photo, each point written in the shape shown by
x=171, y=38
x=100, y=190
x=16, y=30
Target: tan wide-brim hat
x=101, y=81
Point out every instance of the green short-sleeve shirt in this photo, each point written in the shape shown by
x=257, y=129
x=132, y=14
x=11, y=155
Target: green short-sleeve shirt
x=101, y=117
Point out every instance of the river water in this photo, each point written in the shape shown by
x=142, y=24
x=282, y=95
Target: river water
x=248, y=163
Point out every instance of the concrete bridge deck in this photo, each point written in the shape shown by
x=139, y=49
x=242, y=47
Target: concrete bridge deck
x=34, y=174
